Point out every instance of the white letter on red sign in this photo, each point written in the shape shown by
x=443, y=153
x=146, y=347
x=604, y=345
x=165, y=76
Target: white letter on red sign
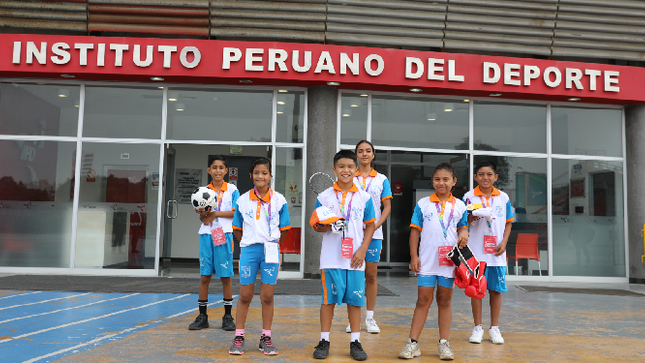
x=452, y=77
x=100, y=55
x=118, y=57
x=488, y=66
x=593, y=74
x=352, y=64
x=167, y=53
x=183, y=57
x=530, y=72
x=432, y=68
x=32, y=51
x=572, y=75
x=17, y=47
x=380, y=65
x=547, y=77
x=83, y=47
x=409, y=61
x=230, y=55
x=62, y=55
x=609, y=80
x=511, y=70
x=137, y=56
x=278, y=56
x=251, y=57
x=295, y=64
x=325, y=63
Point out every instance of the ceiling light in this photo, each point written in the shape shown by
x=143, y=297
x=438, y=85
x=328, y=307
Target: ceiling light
x=63, y=92
x=495, y=94
x=245, y=81
x=280, y=112
x=160, y=87
x=180, y=107
x=280, y=102
x=333, y=83
x=466, y=100
x=431, y=116
x=363, y=95
x=347, y=112
x=67, y=76
x=283, y=91
x=76, y=103
x=156, y=79
x=416, y=89
x=574, y=99
x=173, y=96
x=448, y=107
x=354, y=105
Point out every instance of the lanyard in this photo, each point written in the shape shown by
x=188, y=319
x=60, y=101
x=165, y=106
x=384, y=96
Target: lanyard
x=342, y=206
x=440, y=211
x=220, y=194
x=268, y=209
x=364, y=177
x=485, y=202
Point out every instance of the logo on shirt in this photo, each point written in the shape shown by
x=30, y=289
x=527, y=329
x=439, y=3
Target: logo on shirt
x=359, y=293
x=499, y=211
x=428, y=216
x=270, y=271
x=249, y=215
x=357, y=213
x=245, y=271
x=372, y=251
x=225, y=265
x=334, y=290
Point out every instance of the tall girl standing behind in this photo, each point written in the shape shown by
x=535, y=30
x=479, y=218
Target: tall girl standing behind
x=261, y=222
x=378, y=187
x=442, y=222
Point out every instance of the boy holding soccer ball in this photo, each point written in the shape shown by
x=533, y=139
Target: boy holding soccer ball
x=342, y=256
x=216, y=244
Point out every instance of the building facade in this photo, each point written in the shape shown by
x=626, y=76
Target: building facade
x=110, y=109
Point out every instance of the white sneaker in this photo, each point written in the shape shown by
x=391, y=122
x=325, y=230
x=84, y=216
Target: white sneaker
x=445, y=353
x=371, y=327
x=495, y=335
x=348, y=329
x=478, y=335
x=410, y=350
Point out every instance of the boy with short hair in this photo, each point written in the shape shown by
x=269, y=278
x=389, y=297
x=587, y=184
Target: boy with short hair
x=490, y=226
x=215, y=257
x=342, y=255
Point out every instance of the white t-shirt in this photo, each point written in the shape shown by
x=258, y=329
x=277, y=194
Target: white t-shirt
x=361, y=211
x=426, y=219
x=378, y=187
x=227, y=197
x=502, y=214
x=253, y=218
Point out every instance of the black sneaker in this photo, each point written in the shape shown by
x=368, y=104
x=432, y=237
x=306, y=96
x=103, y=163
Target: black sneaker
x=228, y=323
x=322, y=349
x=356, y=351
x=201, y=322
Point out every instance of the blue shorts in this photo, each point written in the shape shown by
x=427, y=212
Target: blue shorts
x=215, y=260
x=374, y=251
x=433, y=280
x=343, y=286
x=252, y=260
x=496, y=278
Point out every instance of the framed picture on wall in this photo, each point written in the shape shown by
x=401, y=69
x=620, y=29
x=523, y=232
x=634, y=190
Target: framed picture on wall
x=577, y=188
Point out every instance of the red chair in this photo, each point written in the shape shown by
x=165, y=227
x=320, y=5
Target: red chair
x=291, y=243
x=527, y=247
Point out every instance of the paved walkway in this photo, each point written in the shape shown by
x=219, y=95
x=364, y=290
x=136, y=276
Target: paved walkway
x=538, y=327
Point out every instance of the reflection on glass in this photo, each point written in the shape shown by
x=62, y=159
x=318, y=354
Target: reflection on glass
x=411, y=182
x=288, y=182
x=36, y=184
x=524, y=180
x=582, y=131
x=588, y=219
x=123, y=112
x=118, y=206
x=290, y=111
x=353, y=117
x=39, y=109
x=419, y=122
x=510, y=127
x=224, y=115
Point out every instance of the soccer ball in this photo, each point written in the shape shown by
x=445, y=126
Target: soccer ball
x=204, y=197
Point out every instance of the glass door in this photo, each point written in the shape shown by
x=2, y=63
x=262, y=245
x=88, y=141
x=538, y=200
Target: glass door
x=170, y=210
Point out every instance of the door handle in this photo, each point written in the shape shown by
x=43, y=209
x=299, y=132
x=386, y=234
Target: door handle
x=168, y=209
x=174, y=209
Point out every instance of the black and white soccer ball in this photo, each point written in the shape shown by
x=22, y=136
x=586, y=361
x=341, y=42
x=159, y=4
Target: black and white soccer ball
x=204, y=197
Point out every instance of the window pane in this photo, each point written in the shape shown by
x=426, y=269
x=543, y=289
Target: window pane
x=123, y=112
x=290, y=115
x=219, y=115
x=353, y=112
x=587, y=131
x=524, y=180
x=512, y=128
x=33, y=109
x=588, y=219
x=419, y=122
x=36, y=190
x=288, y=182
x=118, y=206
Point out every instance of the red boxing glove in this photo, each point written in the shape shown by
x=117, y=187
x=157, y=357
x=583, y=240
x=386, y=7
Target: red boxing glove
x=466, y=263
x=478, y=284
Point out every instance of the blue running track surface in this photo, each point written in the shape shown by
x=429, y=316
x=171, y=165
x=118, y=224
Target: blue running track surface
x=43, y=326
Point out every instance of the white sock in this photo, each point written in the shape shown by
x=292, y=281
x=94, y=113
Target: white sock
x=324, y=336
x=356, y=336
x=370, y=315
x=442, y=341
